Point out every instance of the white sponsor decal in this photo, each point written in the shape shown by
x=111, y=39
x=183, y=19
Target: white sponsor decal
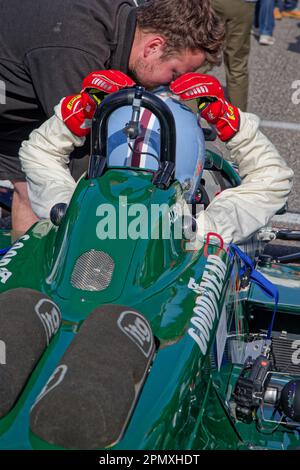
x=206, y=309
x=4, y=272
x=296, y=354
x=296, y=94
x=49, y=315
x=55, y=379
x=135, y=327
x=4, y=275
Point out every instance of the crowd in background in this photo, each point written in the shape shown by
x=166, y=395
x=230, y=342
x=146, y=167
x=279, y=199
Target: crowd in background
x=241, y=17
x=267, y=11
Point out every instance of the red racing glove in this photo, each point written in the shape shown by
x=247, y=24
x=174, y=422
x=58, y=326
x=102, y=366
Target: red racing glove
x=211, y=101
x=78, y=110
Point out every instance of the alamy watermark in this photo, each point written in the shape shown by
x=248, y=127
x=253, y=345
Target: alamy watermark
x=296, y=353
x=296, y=93
x=2, y=353
x=139, y=221
x=2, y=92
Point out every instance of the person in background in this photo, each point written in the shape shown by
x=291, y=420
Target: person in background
x=286, y=9
x=238, y=18
x=264, y=21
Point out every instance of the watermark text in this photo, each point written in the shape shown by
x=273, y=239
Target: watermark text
x=296, y=93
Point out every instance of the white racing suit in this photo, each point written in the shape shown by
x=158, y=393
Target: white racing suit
x=236, y=213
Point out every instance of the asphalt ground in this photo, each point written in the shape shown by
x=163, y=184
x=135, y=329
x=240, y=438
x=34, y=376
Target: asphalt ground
x=274, y=95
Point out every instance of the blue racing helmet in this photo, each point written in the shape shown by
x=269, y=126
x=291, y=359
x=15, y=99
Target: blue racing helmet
x=144, y=151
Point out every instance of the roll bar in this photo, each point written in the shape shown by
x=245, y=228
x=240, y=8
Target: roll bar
x=136, y=97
